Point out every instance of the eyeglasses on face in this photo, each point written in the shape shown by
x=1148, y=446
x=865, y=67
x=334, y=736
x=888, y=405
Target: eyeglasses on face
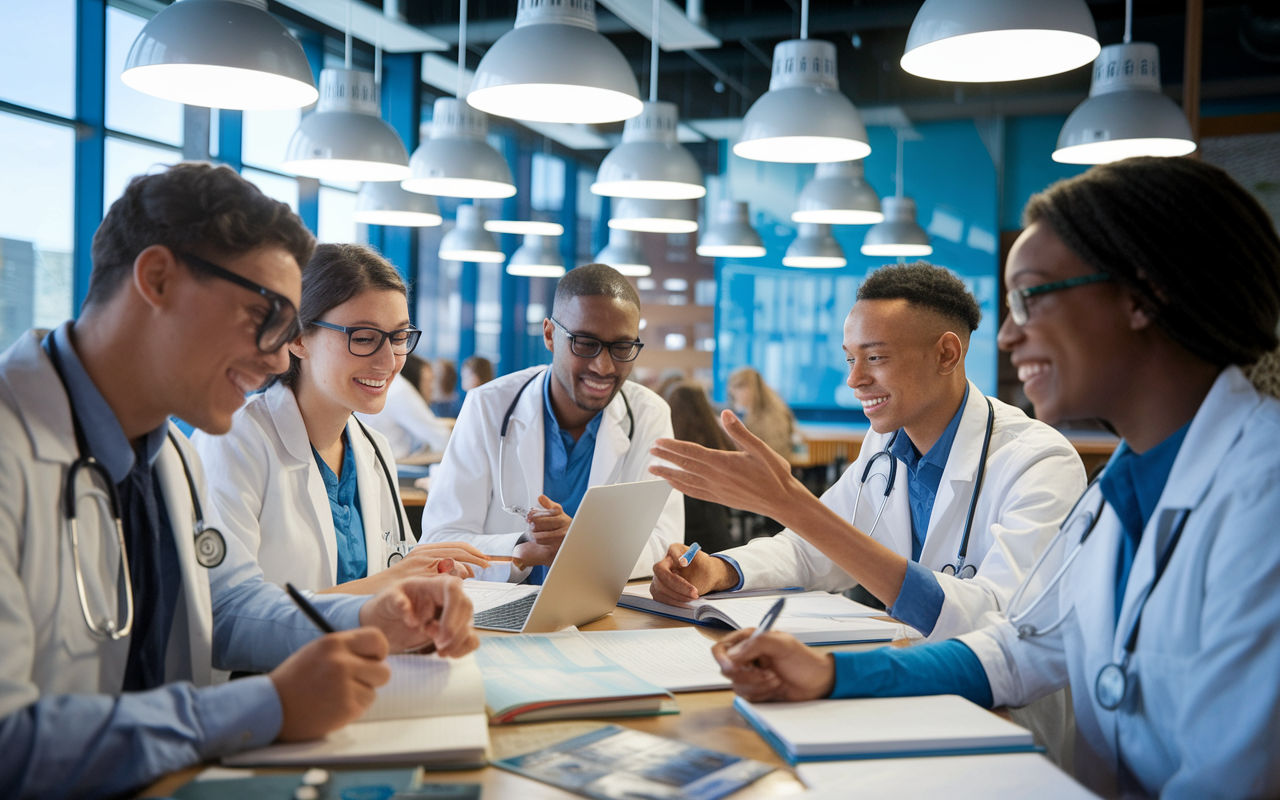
x=278, y=326
x=364, y=342
x=1017, y=298
x=590, y=347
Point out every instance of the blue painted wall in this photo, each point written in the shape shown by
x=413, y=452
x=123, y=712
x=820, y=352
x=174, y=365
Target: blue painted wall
x=787, y=322
x=1028, y=163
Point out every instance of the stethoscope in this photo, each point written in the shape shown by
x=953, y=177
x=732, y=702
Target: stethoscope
x=210, y=546
x=960, y=568
x=521, y=511
x=1112, y=682
x=402, y=548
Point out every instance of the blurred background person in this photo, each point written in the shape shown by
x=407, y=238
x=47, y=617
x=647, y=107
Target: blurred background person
x=761, y=409
x=692, y=420
x=476, y=371
x=445, y=400
x=406, y=419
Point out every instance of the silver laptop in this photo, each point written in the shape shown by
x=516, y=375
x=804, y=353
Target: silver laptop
x=597, y=555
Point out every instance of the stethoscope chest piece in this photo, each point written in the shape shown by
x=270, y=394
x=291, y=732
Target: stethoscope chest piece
x=966, y=572
x=1110, y=686
x=394, y=558
x=211, y=547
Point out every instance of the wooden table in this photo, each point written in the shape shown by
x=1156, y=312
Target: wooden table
x=706, y=719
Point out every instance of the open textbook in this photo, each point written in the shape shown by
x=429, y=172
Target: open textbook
x=812, y=617
x=430, y=712
x=953, y=777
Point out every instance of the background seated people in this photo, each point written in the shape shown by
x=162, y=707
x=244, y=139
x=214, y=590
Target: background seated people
x=762, y=410
x=476, y=371
x=692, y=420
x=406, y=418
x=446, y=401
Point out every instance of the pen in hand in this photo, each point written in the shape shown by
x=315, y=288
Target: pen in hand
x=312, y=614
x=766, y=625
x=686, y=558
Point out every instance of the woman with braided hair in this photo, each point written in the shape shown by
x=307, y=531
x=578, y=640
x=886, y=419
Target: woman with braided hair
x=1138, y=292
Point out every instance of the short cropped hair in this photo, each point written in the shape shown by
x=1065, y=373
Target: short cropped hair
x=595, y=280
x=191, y=207
x=926, y=286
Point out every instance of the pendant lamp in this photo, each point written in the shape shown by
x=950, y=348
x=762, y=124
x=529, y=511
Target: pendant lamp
x=555, y=67
x=898, y=235
x=523, y=227
x=1125, y=114
x=469, y=241
x=654, y=216
x=220, y=54
x=987, y=41
x=386, y=203
x=624, y=253
x=457, y=160
x=838, y=194
x=815, y=247
x=729, y=234
x=651, y=162
x=803, y=118
x=344, y=139
x=537, y=257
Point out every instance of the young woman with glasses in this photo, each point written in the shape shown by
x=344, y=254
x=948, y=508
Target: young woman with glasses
x=309, y=488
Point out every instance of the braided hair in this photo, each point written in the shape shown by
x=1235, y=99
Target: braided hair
x=1199, y=251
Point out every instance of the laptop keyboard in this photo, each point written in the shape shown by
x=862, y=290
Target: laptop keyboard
x=509, y=616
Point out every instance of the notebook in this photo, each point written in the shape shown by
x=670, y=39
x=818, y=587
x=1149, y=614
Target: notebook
x=952, y=777
x=883, y=727
x=812, y=617
x=540, y=677
x=677, y=659
x=430, y=712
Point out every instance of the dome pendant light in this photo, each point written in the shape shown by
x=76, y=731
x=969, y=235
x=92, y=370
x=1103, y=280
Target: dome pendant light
x=469, y=241
x=220, y=54
x=537, y=257
x=624, y=253
x=1125, y=114
x=344, y=139
x=456, y=160
x=839, y=195
x=651, y=162
x=555, y=67
x=654, y=216
x=523, y=227
x=987, y=41
x=386, y=203
x=898, y=235
x=730, y=234
x=815, y=247
x=803, y=118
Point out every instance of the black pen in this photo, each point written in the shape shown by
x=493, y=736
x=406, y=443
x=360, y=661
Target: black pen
x=309, y=610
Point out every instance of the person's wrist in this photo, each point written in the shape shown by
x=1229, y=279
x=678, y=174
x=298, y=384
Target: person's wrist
x=828, y=685
x=725, y=576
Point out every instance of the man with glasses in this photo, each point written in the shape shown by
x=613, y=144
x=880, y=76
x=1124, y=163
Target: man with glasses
x=119, y=595
x=527, y=446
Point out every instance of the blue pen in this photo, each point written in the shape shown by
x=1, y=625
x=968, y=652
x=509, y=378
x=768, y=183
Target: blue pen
x=686, y=558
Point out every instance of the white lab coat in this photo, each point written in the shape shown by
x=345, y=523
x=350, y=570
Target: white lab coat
x=1202, y=717
x=267, y=486
x=464, y=502
x=1033, y=476
x=47, y=647
x=407, y=422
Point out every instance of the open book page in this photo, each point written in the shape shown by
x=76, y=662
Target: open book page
x=453, y=740
x=677, y=659
x=813, y=617
x=953, y=777
x=428, y=686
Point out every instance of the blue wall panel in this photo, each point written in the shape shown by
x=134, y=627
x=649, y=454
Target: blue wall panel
x=1028, y=163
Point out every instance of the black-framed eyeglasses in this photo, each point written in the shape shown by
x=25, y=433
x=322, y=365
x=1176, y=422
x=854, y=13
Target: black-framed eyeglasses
x=365, y=342
x=590, y=347
x=280, y=325
x=1017, y=298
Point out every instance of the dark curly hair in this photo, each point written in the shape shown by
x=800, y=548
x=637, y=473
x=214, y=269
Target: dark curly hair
x=594, y=280
x=924, y=285
x=1199, y=251
x=193, y=207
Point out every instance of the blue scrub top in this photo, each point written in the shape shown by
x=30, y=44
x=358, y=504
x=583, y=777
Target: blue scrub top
x=924, y=473
x=344, y=504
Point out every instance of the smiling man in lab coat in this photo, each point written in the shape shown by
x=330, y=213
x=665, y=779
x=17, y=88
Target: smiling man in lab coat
x=577, y=424
x=106, y=661
x=905, y=341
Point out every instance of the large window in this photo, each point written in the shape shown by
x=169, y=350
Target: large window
x=38, y=55
x=337, y=216
x=128, y=110
x=37, y=194
x=126, y=159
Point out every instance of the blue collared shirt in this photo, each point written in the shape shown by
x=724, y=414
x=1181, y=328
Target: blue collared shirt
x=566, y=462
x=344, y=505
x=1132, y=485
x=109, y=745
